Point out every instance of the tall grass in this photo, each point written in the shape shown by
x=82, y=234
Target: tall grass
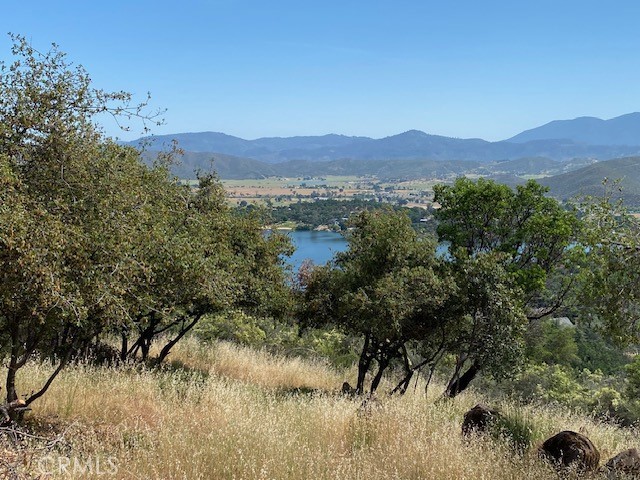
x=233, y=413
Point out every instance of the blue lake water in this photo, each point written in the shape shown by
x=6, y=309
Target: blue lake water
x=318, y=247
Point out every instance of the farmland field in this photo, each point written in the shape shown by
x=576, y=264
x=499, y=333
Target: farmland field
x=283, y=191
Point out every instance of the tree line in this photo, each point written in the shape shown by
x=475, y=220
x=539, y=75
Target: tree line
x=336, y=213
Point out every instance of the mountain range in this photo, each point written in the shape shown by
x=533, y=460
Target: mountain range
x=573, y=156
x=560, y=140
x=622, y=130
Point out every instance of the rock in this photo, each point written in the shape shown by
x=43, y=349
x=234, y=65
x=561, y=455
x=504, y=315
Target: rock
x=571, y=449
x=478, y=419
x=626, y=462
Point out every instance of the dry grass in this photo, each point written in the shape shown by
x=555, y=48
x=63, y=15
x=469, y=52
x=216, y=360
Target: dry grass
x=233, y=413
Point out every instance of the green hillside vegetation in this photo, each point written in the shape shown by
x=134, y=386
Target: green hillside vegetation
x=187, y=164
x=589, y=180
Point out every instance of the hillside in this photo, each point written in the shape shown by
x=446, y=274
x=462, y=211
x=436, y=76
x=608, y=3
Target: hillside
x=227, y=166
x=382, y=169
x=533, y=166
x=588, y=180
x=223, y=411
x=232, y=167
x=622, y=130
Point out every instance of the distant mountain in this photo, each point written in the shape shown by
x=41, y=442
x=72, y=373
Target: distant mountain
x=533, y=166
x=231, y=167
x=268, y=149
x=622, y=130
x=382, y=169
x=227, y=166
x=411, y=145
x=588, y=180
x=581, y=180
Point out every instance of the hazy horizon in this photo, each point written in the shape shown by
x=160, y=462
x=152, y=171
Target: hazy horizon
x=251, y=69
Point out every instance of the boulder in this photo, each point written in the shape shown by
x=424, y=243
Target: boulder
x=626, y=462
x=478, y=419
x=571, y=449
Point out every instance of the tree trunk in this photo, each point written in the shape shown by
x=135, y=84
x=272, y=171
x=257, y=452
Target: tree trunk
x=167, y=348
x=409, y=371
x=12, y=395
x=124, y=348
x=363, y=364
x=459, y=384
x=145, y=346
x=383, y=363
x=10, y=384
x=63, y=362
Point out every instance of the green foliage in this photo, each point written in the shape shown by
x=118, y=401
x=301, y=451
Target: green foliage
x=487, y=322
x=277, y=336
x=390, y=288
x=386, y=273
x=596, y=352
x=633, y=378
x=552, y=343
x=93, y=242
x=232, y=325
x=550, y=383
x=609, y=295
x=309, y=215
x=516, y=428
x=385, y=288
x=533, y=231
x=579, y=347
x=524, y=236
x=582, y=390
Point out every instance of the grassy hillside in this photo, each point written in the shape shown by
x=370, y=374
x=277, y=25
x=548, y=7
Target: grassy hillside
x=588, y=180
x=227, y=166
x=226, y=412
x=232, y=167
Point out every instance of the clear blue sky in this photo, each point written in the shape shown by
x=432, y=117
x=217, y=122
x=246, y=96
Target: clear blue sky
x=487, y=69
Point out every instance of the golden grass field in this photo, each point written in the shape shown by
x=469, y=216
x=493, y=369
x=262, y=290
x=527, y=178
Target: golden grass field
x=226, y=412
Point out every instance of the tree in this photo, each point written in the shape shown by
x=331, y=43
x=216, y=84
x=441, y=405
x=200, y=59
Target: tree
x=410, y=305
x=92, y=241
x=487, y=320
x=201, y=259
x=58, y=263
x=532, y=233
x=387, y=288
x=609, y=295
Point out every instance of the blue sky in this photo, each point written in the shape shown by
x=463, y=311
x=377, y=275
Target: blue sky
x=486, y=69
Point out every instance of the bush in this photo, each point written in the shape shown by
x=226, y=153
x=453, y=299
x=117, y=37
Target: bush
x=517, y=429
x=279, y=337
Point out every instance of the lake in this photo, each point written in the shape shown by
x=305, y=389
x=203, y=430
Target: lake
x=319, y=247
